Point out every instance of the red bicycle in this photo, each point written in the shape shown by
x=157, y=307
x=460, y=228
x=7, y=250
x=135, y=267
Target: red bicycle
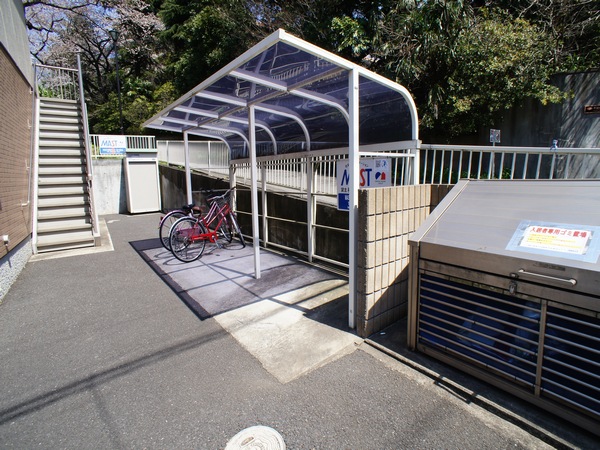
x=188, y=235
x=167, y=221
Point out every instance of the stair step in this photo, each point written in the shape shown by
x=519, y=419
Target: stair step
x=75, y=136
x=64, y=241
x=58, y=101
x=63, y=202
x=61, y=170
x=58, y=112
x=62, y=212
x=54, y=226
x=53, y=191
x=56, y=201
x=61, y=143
x=52, y=152
x=61, y=127
x=50, y=180
x=58, y=120
x=62, y=160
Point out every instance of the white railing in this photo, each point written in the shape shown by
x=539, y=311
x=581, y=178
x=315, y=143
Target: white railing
x=57, y=82
x=284, y=171
x=207, y=156
x=440, y=164
x=444, y=164
x=133, y=143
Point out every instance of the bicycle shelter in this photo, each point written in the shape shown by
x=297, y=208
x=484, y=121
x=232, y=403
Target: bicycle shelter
x=285, y=96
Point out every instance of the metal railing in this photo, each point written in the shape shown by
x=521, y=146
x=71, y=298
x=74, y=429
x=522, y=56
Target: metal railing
x=57, y=82
x=440, y=164
x=88, y=159
x=444, y=164
x=284, y=171
x=208, y=156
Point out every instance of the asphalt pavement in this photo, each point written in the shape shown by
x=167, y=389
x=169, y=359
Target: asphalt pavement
x=124, y=347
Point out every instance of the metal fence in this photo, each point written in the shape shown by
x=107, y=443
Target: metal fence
x=443, y=164
x=210, y=157
x=440, y=164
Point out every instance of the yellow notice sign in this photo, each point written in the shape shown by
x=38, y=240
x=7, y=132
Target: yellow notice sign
x=560, y=240
x=556, y=239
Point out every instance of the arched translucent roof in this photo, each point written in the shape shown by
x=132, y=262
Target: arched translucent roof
x=300, y=95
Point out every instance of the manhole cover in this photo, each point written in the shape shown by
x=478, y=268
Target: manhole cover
x=258, y=437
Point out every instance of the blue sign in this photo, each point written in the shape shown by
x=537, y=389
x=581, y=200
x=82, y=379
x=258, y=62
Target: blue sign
x=344, y=202
x=373, y=173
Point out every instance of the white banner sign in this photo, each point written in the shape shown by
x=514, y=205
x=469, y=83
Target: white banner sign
x=113, y=145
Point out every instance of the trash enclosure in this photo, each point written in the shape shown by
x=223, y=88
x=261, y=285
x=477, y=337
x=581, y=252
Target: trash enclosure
x=505, y=285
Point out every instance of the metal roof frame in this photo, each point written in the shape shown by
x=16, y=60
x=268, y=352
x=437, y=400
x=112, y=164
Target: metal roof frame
x=300, y=93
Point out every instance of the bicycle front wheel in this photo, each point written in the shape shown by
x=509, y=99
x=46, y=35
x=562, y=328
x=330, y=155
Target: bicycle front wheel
x=185, y=239
x=236, y=228
x=164, y=228
x=225, y=230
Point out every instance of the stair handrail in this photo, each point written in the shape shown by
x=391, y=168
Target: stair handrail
x=63, y=82
x=88, y=152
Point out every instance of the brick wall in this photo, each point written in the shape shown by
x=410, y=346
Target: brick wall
x=15, y=150
x=387, y=216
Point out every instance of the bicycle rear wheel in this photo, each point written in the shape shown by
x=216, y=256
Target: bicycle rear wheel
x=165, y=225
x=185, y=241
x=236, y=228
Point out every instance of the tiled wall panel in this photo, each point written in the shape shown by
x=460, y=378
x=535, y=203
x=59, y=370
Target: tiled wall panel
x=15, y=153
x=387, y=217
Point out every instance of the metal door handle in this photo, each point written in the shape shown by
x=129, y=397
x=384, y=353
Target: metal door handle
x=571, y=281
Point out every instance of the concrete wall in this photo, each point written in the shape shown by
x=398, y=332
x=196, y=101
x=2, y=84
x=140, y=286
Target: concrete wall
x=110, y=195
x=387, y=216
x=537, y=125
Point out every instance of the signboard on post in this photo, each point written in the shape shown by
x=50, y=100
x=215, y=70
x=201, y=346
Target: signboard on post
x=113, y=145
x=494, y=136
x=374, y=172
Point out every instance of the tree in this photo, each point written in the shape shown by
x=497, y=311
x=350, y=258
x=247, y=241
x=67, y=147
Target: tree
x=416, y=45
x=500, y=62
x=465, y=63
x=203, y=36
x=46, y=18
x=59, y=29
x=573, y=27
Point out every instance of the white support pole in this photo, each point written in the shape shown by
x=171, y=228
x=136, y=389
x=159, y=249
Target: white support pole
x=263, y=199
x=416, y=163
x=254, y=191
x=310, y=207
x=188, y=172
x=232, y=184
x=354, y=162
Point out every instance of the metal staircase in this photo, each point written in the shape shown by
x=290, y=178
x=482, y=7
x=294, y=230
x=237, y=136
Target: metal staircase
x=63, y=210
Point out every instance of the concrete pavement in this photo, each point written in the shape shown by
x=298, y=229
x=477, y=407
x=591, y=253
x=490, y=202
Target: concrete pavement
x=126, y=347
